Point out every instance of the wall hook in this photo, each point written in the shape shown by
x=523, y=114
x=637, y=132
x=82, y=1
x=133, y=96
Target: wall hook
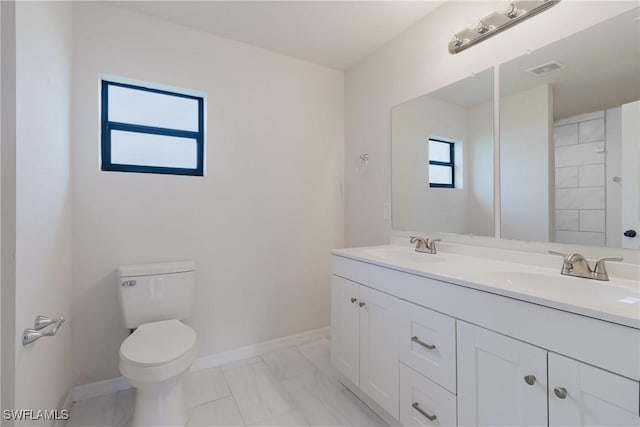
x=361, y=169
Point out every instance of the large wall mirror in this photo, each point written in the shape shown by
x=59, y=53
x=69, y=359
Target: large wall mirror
x=442, y=159
x=569, y=141
x=569, y=146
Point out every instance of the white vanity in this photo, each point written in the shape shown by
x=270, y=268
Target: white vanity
x=484, y=337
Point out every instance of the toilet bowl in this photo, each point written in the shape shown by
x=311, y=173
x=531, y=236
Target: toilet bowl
x=154, y=360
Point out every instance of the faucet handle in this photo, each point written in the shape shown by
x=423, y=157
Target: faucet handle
x=414, y=239
x=564, y=256
x=567, y=265
x=432, y=246
x=600, y=270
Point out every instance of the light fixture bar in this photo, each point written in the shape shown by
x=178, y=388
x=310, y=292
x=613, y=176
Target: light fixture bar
x=497, y=22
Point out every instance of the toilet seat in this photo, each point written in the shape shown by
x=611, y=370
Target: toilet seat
x=158, y=343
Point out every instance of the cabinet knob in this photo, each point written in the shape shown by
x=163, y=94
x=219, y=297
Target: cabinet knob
x=530, y=379
x=353, y=300
x=361, y=304
x=560, y=392
x=416, y=406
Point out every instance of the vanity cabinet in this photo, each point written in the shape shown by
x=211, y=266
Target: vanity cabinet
x=364, y=340
x=423, y=402
x=583, y=395
x=428, y=344
x=501, y=381
x=434, y=353
x=345, y=328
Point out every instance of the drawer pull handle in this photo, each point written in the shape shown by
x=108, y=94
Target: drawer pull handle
x=560, y=392
x=416, y=406
x=361, y=304
x=530, y=379
x=353, y=300
x=422, y=343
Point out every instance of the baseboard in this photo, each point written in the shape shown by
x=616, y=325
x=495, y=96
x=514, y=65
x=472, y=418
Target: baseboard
x=254, y=350
x=100, y=388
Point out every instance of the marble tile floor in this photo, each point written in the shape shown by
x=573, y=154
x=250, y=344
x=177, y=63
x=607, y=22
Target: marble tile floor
x=294, y=386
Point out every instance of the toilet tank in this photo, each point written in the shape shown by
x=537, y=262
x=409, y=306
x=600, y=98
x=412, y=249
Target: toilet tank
x=153, y=292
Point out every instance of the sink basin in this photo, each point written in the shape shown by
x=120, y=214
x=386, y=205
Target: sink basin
x=531, y=279
x=573, y=288
x=399, y=254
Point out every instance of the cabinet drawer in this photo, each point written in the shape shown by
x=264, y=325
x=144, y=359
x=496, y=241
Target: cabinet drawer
x=422, y=399
x=428, y=344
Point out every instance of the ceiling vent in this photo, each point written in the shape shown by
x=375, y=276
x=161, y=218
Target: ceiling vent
x=547, y=68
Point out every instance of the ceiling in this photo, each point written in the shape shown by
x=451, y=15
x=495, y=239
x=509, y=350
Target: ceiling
x=601, y=66
x=335, y=34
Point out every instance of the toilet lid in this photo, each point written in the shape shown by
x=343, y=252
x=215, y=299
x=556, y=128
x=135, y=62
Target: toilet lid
x=158, y=343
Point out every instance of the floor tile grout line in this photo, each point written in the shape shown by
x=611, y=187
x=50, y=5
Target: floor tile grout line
x=235, y=402
x=260, y=361
x=113, y=411
x=308, y=359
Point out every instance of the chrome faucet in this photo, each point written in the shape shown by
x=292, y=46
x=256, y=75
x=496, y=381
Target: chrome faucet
x=576, y=265
x=424, y=245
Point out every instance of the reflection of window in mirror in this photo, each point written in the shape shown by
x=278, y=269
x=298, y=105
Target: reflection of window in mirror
x=443, y=165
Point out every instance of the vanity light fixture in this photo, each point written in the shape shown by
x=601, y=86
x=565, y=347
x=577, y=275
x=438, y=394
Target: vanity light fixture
x=490, y=25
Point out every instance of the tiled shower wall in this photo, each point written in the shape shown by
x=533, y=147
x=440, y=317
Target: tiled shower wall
x=580, y=179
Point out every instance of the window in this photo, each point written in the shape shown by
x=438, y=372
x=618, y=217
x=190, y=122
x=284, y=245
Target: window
x=151, y=131
x=441, y=164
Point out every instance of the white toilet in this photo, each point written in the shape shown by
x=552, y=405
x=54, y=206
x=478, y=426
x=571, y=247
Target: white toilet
x=155, y=357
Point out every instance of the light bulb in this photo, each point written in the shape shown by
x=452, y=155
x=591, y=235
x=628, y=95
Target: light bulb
x=473, y=22
x=510, y=10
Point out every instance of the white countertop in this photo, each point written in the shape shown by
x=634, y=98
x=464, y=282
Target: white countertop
x=617, y=300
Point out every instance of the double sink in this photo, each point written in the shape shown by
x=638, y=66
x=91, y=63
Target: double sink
x=616, y=300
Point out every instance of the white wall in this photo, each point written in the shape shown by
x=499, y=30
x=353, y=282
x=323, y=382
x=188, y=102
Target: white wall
x=417, y=62
x=526, y=121
x=630, y=136
x=480, y=175
x=612, y=169
x=43, y=199
x=259, y=225
x=7, y=202
x=413, y=200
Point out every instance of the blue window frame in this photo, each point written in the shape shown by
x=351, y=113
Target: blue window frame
x=441, y=164
x=150, y=130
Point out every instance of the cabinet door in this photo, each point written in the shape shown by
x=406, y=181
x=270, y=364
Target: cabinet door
x=581, y=395
x=344, y=327
x=493, y=371
x=378, y=348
